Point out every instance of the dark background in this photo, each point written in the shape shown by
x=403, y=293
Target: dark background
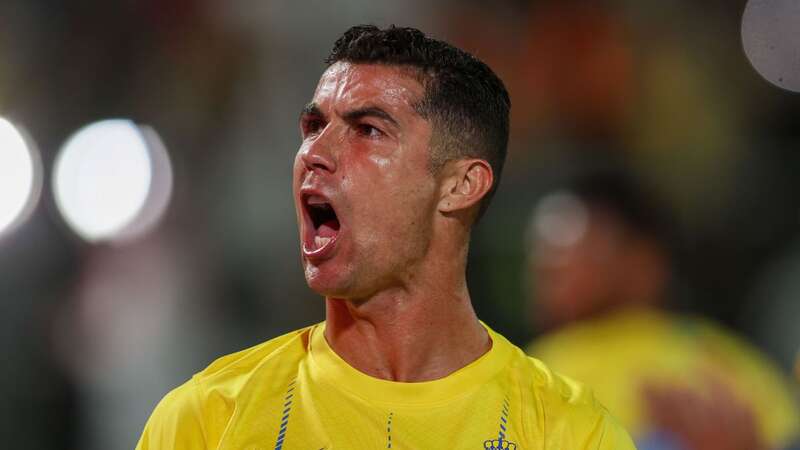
x=94, y=334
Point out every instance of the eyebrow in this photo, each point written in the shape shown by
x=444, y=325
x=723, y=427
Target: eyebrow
x=311, y=109
x=369, y=111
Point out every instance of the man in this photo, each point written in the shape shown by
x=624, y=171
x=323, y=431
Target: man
x=674, y=381
x=402, y=147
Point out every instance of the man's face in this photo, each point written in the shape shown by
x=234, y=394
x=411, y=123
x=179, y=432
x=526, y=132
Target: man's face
x=363, y=192
x=579, y=267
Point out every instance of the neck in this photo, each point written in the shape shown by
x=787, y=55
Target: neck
x=419, y=331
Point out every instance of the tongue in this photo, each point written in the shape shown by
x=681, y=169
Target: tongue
x=328, y=229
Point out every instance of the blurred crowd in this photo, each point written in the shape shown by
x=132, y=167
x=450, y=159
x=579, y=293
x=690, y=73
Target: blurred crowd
x=645, y=237
x=600, y=260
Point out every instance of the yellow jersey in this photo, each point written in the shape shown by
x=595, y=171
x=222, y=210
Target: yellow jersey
x=295, y=393
x=618, y=353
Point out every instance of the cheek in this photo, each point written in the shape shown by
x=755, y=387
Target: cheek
x=387, y=188
x=399, y=199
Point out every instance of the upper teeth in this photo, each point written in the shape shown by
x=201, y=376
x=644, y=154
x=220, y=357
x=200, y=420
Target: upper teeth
x=316, y=200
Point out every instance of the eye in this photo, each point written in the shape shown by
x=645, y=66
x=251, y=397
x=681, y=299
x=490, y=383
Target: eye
x=311, y=126
x=367, y=130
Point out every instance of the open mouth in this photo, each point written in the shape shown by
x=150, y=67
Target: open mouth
x=324, y=223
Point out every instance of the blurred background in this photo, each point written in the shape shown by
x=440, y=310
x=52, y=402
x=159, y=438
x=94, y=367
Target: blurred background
x=199, y=101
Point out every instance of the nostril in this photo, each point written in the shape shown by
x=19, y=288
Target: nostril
x=319, y=166
x=317, y=161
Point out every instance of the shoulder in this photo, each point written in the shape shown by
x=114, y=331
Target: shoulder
x=176, y=422
x=636, y=332
x=565, y=413
x=194, y=415
x=559, y=411
x=562, y=394
x=277, y=353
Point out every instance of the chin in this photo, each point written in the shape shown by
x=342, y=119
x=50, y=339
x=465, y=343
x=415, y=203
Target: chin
x=325, y=283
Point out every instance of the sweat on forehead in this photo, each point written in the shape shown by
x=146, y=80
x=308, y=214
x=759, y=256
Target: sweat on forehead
x=358, y=85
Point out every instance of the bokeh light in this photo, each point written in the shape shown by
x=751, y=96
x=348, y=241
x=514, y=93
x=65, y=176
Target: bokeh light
x=560, y=219
x=110, y=182
x=20, y=177
x=772, y=42
x=160, y=190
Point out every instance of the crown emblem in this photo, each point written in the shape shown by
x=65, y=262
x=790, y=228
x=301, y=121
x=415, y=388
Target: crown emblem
x=499, y=444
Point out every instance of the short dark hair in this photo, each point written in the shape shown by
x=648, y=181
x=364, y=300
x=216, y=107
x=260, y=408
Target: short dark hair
x=632, y=201
x=466, y=103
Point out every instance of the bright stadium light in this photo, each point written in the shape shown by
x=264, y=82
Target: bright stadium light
x=560, y=219
x=20, y=177
x=160, y=188
x=103, y=180
x=771, y=40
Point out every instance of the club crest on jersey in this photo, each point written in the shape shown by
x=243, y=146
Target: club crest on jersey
x=499, y=444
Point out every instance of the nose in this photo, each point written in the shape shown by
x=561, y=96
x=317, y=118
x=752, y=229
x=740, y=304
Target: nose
x=317, y=155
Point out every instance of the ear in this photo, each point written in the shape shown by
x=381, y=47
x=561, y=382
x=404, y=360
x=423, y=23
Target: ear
x=465, y=183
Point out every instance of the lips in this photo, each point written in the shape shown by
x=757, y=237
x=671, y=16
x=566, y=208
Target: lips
x=321, y=226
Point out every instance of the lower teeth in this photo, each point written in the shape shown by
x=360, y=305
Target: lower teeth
x=321, y=241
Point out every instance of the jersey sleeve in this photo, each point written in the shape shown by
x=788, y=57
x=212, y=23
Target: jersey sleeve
x=177, y=422
x=570, y=417
x=590, y=430
x=609, y=435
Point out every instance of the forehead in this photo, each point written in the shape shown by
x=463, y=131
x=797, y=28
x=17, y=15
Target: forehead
x=348, y=85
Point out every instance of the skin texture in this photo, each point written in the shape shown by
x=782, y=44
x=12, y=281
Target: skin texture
x=397, y=304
